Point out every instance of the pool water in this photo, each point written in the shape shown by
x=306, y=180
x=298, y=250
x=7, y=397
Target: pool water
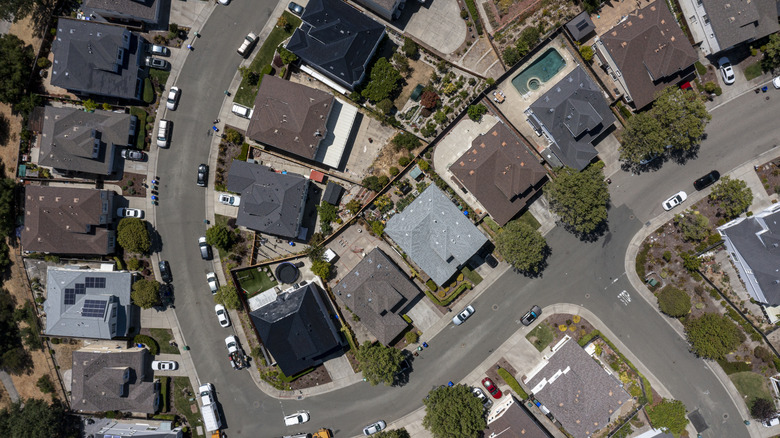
x=540, y=71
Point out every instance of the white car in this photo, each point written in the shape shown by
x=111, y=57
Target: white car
x=728, y=72
x=776, y=82
x=772, y=422
x=164, y=133
x=164, y=365
x=173, y=98
x=224, y=2
x=296, y=418
x=242, y=111
x=206, y=392
x=232, y=344
x=211, y=279
x=463, y=315
x=233, y=200
x=675, y=200
x=374, y=428
x=130, y=212
x=222, y=315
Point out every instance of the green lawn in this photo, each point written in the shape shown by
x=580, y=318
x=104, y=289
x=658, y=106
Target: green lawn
x=472, y=276
x=141, y=115
x=751, y=385
x=753, y=70
x=160, y=76
x=245, y=95
x=183, y=404
x=528, y=218
x=163, y=338
x=542, y=335
x=253, y=281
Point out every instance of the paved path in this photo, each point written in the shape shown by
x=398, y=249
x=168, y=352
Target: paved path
x=9, y=386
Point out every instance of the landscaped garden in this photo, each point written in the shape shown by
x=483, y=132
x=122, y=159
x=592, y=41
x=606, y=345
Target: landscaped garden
x=255, y=280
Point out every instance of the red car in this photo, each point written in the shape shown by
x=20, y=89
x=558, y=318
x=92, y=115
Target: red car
x=491, y=387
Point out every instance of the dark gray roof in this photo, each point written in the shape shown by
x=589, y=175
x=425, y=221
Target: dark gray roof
x=754, y=247
x=290, y=117
x=435, y=234
x=336, y=39
x=578, y=391
x=71, y=303
x=297, y=329
x=511, y=419
x=574, y=113
x=78, y=141
x=271, y=202
x=147, y=11
x=68, y=220
x=738, y=21
x=110, y=380
x=379, y=293
x=97, y=58
x=332, y=193
x=581, y=26
x=383, y=8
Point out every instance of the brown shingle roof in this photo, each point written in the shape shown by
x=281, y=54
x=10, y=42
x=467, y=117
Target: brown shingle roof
x=500, y=172
x=289, y=116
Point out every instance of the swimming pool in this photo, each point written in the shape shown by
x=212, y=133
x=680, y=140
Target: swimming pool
x=539, y=72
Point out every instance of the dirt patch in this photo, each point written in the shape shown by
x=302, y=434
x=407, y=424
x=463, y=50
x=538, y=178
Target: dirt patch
x=421, y=74
x=132, y=184
x=769, y=173
x=63, y=352
x=388, y=157
x=9, y=148
x=492, y=372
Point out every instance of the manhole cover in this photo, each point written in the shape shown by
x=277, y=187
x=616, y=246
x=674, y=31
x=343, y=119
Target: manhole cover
x=495, y=307
x=631, y=217
x=587, y=295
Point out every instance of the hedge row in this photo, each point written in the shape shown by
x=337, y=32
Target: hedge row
x=150, y=343
x=474, y=15
x=164, y=393
x=513, y=383
x=734, y=367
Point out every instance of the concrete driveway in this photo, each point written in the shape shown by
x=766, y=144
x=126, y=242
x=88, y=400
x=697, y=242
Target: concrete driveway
x=437, y=24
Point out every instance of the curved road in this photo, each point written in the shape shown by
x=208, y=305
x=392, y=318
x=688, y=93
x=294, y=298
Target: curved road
x=588, y=274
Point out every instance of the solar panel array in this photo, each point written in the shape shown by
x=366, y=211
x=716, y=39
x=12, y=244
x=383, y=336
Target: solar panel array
x=94, y=308
x=95, y=282
x=70, y=296
x=81, y=288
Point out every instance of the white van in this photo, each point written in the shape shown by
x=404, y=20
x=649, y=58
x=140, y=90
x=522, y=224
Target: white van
x=164, y=133
x=296, y=418
x=211, y=420
x=242, y=111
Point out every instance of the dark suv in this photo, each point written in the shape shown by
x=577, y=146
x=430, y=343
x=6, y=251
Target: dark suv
x=707, y=180
x=203, y=175
x=205, y=248
x=165, y=271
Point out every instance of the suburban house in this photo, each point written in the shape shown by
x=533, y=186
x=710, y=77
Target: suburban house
x=645, y=53
x=582, y=394
x=271, y=202
x=297, y=329
x=92, y=58
x=572, y=116
x=720, y=25
x=387, y=9
x=301, y=121
x=111, y=427
x=435, y=235
x=753, y=244
x=87, y=303
x=105, y=379
x=501, y=172
x=75, y=142
x=336, y=40
x=581, y=27
x=67, y=220
x=132, y=13
x=510, y=419
x=378, y=292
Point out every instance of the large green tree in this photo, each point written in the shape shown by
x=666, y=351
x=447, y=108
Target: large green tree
x=146, y=294
x=393, y=433
x=733, y=196
x=674, y=302
x=34, y=418
x=133, y=235
x=713, y=336
x=669, y=415
x=7, y=206
x=18, y=9
x=406, y=140
x=379, y=363
x=580, y=198
x=643, y=138
x=522, y=246
x=694, y=226
x=683, y=116
x=15, y=65
x=454, y=412
x=228, y=297
x=220, y=236
x=384, y=81
x=771, y=58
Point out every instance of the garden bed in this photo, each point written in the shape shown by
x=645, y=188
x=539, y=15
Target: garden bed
x=132, y=184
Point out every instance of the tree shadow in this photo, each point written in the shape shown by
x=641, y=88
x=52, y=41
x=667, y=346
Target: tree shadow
x=5, y=130
x=540, y=267
x=44, y=9
x=638, y=168
x=682, y=157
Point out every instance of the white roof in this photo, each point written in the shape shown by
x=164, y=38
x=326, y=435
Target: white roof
x=342, y=117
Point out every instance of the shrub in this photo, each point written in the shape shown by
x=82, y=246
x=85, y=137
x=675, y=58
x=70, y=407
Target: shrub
x=512, y=382
x=45, y=384
x=148, y=93
x=674, y=302
x=411, y=337
x=150, y=343
x=431, y=285
x=403, y=162
x=394, y=171
x=667, y=256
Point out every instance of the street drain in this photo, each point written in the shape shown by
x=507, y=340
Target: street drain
x=631, y=217
x=495, y=307
x=587, y=295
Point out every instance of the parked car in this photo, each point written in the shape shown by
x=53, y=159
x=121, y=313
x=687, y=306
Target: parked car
x=173, y=98
x=707, y=180
x=164, y=365
x=203, y=175
x=159, y=50
x=224, y=2
x=130, y=212
x=482, y=397
x=211, y=279
x=165, y=271
x=491, y=388
x=295, y=8
x=247, y=44
x=157, y=63
x=491, y=261
x=205, y=248
x=771, y=422
x=222, y=315
x=206, y=392
x=232, y=344
x=463, y=315
x=677, y=199
x=227, y=199
x=726, y=70
x=374, y=428
x=776, y=82
x=296, y=418
x=132, y=155
x=164, y=133
x=531, y=315
x=241, y=110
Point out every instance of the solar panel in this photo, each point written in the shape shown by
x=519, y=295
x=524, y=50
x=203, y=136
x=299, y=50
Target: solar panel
x=582, y=25
x=100, y=283
x=81, y=288
x=93, y=308
x=70, y=296
x=95, y=282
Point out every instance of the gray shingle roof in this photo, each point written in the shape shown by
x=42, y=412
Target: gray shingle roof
x=379, y=293
x=337, y=40
x=513, y=421
x=113, y=380
x=575, y=114
x=500, y=172
x=77, y=141
x=578, y=391
x=435, y=234
x=738, y=21
x=67, y=220
x=147, y=11
x=271, y=202
x=581, y=26
x=97, y=58
x=67, y=290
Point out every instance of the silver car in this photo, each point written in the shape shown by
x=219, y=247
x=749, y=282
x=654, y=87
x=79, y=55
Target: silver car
x=374, y=428
x=173, y=98
x=463, y=315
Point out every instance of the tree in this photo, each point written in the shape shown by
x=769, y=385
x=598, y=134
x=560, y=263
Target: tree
x=7, y=206
x=15, y=64
x=771, y=57
x=763, y=409
x=220, y=236
x=327, y=212
x=383, y=180
x=733, y=196
x=669, y=415
x=522, y=246
x=402, y=63
x=373, y=183
x=644, y=137
x=281, y=22
x=378, y=228
x=511, y=56
x=287, y=56
x=233, y=136
x=383, y=83
x=379, y=363
x=409, y=48
x=146, y=294
x=674, y=302
x=429, y=99
x=529, y=37
x=690, y=261
x=712, y=336
x=133, y=236
x=45, y=385
x=580, y=198
x=321, y=269
x=476, y=112
x=694, y=226
x=424, y=166
x=33, y=419
x=454, y=412
x=683, y=116
x=353, y=206
x=586, y=52
x=228, y=297
x=385, y=105
x=406, y=140
x=393, y=433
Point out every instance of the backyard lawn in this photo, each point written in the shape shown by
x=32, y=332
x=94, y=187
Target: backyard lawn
x=751, y=385
x=253, y=281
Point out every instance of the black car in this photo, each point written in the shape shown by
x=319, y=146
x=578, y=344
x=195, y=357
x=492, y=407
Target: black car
x=491, y=261
x=295, y=8
x=165, y=271
x=531, y=315
x=707, y=180
x=205, y=249
x=203, y=175
x=166, y=294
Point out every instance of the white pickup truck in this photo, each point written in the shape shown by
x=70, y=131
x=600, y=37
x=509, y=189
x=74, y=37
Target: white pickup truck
x=247, y=44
